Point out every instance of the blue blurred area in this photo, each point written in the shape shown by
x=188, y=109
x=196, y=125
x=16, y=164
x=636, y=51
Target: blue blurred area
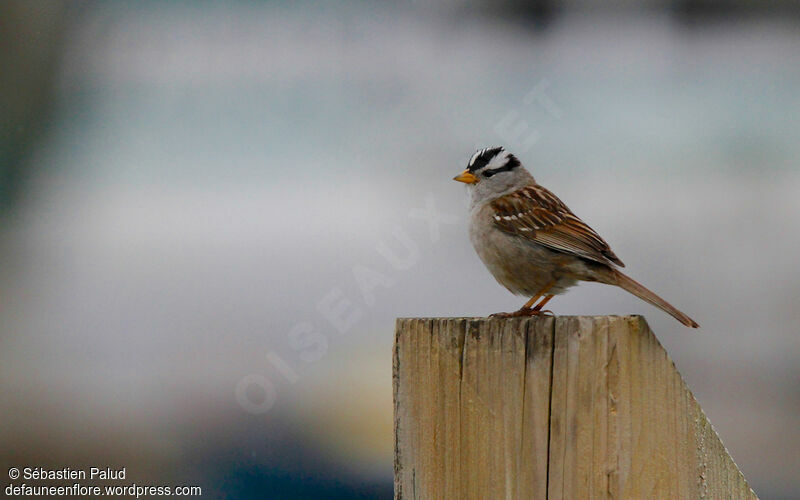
x=254, y=482
x=231, y=472
x=186, y=185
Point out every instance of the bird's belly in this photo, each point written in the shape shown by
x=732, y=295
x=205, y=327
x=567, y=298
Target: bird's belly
x=523, y=268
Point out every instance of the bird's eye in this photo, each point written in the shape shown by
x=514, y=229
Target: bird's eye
x=488, y=173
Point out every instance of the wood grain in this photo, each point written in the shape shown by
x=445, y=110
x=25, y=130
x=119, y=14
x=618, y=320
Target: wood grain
x=566, y=407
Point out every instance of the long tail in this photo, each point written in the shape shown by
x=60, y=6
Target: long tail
x=643, y=293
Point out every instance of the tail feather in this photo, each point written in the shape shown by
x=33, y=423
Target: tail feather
x=636, y=288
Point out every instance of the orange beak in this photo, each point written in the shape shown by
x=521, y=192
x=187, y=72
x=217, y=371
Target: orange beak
x=466, y=177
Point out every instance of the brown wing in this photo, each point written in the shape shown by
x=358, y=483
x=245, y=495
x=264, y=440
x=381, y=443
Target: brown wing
x=537, y=214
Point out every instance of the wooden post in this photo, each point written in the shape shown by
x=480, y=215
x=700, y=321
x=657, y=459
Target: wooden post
x=566, y=407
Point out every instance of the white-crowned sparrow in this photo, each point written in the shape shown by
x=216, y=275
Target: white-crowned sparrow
x=531, y=242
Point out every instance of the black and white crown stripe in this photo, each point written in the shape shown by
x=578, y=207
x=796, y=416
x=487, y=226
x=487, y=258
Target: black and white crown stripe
x=492, y=161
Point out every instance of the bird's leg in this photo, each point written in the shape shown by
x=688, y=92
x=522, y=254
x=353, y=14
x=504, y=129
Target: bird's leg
x=526, y=309
x=533, y=300
x=536, y=310
x=541, y=304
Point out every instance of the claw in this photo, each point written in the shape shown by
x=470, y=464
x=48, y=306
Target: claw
x=525, y=311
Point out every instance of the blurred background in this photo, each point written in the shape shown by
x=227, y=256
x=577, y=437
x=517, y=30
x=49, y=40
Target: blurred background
x=212, y=212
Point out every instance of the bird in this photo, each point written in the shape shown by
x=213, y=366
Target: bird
x=532, y=243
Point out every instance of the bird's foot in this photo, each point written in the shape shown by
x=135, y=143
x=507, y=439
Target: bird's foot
x=524, y=312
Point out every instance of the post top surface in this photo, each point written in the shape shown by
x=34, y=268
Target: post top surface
x=528, y=318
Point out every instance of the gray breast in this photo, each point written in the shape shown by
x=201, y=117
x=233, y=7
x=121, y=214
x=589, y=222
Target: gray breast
x=523, y=267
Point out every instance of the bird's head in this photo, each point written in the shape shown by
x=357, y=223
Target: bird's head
x=492, y=172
